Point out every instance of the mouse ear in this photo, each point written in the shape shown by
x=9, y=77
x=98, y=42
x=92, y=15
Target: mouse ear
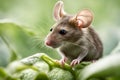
x=83, y=19
x=58, y=12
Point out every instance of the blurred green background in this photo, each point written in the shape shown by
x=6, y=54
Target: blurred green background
x=25, y=23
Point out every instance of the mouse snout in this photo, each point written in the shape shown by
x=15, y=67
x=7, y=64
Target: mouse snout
x=49, y=42
x=52, y=41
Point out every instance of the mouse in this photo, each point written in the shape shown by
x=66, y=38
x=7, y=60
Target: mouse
x=73, y=36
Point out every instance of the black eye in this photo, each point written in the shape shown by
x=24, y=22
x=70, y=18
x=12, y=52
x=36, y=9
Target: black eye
x=51, y=29
x=62, y=32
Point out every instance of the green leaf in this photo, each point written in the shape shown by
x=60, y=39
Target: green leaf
x=32, y=59
x=2, y=72
x=116, y=50
x=35, y=60
x=27, y=74
x=30, y=74
x=41, y=76
x=30, y=68
x=14, y=56
x=60, y=74
x=4, y=75
x=17, y=38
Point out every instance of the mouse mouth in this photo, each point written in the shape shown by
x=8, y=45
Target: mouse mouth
x=55, y=46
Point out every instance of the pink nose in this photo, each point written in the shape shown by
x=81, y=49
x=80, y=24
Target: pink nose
x=48, y=43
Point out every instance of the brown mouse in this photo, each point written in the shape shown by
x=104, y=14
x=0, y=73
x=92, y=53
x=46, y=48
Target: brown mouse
x=74, y=36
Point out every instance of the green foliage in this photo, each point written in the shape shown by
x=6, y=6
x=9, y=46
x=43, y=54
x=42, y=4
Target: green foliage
x=42, y=67
x=60, y=74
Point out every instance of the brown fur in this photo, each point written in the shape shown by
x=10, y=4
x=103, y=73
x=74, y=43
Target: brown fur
x=80, y=43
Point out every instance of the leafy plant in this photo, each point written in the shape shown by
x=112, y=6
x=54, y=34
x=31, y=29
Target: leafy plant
x=42, y=67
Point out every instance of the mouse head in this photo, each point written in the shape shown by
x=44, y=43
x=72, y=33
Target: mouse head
x=67, y=28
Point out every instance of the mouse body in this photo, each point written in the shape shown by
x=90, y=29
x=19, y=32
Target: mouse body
x=74, y=37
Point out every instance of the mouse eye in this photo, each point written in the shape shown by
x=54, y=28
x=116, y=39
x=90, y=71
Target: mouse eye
x=62, y=32
x=51, y=29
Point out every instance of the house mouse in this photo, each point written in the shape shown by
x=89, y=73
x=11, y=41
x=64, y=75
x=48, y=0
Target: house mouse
x=73, y=36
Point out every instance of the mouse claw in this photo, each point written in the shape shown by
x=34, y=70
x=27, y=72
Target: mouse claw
x=74, y=62
x=63, y=60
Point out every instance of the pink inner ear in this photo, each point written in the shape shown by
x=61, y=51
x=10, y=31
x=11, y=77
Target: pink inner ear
x=83, y=19
x=58, y=11
x=79, y=23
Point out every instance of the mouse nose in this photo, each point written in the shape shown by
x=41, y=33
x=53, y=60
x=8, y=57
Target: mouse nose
x=48, y=42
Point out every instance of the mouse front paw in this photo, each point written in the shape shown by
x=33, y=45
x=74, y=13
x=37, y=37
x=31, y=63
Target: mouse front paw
x=74, y=62
x=63, y=60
